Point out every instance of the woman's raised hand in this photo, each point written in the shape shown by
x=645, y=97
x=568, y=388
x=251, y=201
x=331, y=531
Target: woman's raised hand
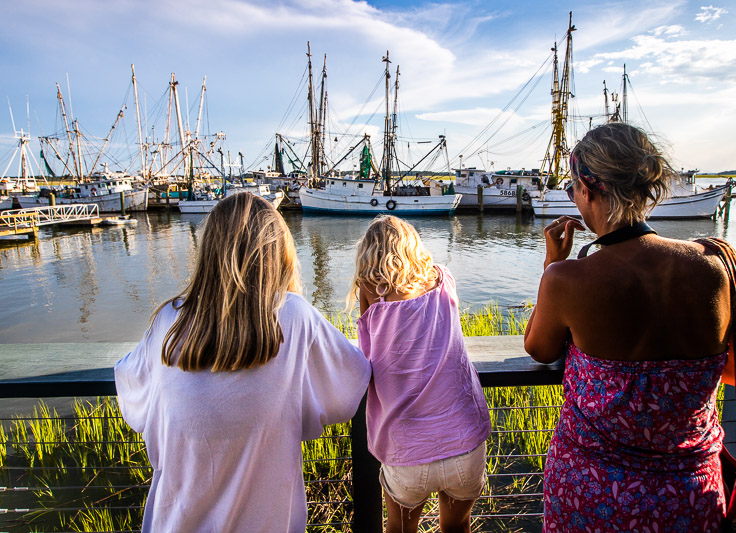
x=558, y=237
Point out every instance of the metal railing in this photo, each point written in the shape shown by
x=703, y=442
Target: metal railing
x=53, y=214
x=86, y=466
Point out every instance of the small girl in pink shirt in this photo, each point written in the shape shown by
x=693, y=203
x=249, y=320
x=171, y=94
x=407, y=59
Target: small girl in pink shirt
x=426, y=414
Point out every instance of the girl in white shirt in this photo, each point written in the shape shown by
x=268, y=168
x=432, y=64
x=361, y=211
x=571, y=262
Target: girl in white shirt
x=232, y=375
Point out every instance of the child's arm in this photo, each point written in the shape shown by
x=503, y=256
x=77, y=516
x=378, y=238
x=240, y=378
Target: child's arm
x=367, y=296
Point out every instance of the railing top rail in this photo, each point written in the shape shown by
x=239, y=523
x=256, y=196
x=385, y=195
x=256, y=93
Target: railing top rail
x=86, y=369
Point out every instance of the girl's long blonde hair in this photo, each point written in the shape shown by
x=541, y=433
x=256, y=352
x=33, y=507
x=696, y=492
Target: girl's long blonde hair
x=391, y=258
x=228, y=314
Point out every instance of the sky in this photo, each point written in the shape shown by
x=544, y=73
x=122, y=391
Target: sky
x=477, y=72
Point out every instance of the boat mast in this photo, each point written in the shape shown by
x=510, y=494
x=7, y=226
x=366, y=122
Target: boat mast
x=201, y=102
x=624, y=101
x=387, y=131
x=557, y=150
x=315, y=134
x=78, y=135
x=605, y=100
x=392, y=140
x=138, y=121
x=322, y=118
x=184, y=144
x=62, y=108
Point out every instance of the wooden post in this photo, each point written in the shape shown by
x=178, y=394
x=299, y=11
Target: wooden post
x=122, y=203
x=52, y=199
x=168, y=197
x=728, y=203
x=367, y=496
x=480, y=198
x=519, y=193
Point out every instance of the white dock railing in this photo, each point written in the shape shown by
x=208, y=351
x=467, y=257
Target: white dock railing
x=44, y=216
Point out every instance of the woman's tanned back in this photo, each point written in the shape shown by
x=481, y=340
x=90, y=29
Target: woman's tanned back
x=665, y=300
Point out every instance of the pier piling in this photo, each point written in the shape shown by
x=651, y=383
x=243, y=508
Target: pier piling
x=519, y=194
x=480, y=198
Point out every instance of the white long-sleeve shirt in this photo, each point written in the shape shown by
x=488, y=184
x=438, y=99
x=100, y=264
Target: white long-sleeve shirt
x=226, y=446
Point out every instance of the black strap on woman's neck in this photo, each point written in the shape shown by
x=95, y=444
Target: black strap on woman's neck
x=620, y=235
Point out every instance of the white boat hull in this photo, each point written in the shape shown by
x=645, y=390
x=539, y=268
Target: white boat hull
x=700, y=205
x=200, y=207
x=135, y=200
x=319, y=201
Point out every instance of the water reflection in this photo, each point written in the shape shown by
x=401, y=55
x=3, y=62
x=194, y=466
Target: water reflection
x=101, y=284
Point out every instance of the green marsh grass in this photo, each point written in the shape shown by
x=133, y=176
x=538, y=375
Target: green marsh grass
x=99, y=472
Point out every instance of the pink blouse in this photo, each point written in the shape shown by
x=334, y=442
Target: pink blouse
x=425, y=401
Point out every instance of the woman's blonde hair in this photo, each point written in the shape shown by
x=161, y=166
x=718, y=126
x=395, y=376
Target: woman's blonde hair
x=228, y=314
x=391, y=258
x=634, y=174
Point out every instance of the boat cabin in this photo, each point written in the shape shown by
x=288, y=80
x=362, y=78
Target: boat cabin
x=502, y=179
x=350, y=187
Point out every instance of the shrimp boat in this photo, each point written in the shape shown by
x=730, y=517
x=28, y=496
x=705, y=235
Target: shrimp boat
x=105, y=192
x=110, y=191
x=686, y=199
x=371, y=193
x=204, y=202
x=499, y=188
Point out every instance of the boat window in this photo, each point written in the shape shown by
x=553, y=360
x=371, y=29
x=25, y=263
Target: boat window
x=484, y=179
x=344, y=184
x=360, y=185
x=512, y=181
x=332, y=183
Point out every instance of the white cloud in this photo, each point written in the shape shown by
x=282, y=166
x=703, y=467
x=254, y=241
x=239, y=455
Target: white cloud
x=710, y=13
x=671, y=31
x=679, y=61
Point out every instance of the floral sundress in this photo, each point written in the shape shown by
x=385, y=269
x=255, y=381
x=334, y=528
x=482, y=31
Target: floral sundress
x=636, y=448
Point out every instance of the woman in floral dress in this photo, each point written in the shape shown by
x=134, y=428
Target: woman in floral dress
x=644, y=324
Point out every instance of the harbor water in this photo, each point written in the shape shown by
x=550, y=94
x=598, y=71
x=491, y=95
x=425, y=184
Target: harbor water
x=102, y=284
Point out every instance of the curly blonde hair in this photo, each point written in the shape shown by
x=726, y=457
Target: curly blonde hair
x=391, y=258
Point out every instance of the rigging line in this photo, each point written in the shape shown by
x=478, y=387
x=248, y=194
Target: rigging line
x=508, y=118
x=638, y=105
x=546, y=63
x=522, y=132
x=294, y=98
x=370, y=96
x=514, y=150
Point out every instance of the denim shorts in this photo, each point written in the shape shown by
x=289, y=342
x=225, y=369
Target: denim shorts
x=461, y=477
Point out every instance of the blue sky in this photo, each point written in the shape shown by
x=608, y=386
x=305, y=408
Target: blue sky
x=461, y=63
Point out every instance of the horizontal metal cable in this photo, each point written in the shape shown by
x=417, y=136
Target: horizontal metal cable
x=504, y=496
x=72, y=487
x=513, y=456
x=518, y=515
x=503, y=431
x=347, y=458
x=517, y=474
x=67, y=509
x=76, y=442
x=91, y=467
